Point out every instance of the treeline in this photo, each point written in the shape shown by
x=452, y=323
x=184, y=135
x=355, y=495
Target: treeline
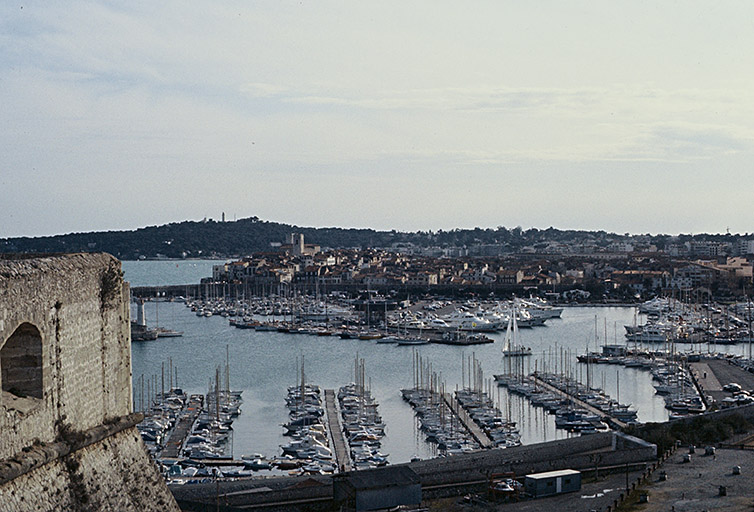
x=209, y=238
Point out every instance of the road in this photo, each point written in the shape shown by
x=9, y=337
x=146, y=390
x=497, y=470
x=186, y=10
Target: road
x=713, y=374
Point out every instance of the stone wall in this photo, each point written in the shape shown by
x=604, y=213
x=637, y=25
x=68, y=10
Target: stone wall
x=79, y=305
x=114, y=474
x=65, y=367
x=648, y=429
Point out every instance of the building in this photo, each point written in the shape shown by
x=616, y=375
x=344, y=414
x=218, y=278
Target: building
x=736, y=267
x=745, y=247
x=691, y=276
x=297, y=247
x=614, y=350
x=706, y=248
x=510, y=277
x=640, y=280
x=385, y=488
x=421, y=279
x=552, y=482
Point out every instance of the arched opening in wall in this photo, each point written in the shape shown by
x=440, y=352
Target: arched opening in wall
x=21, y=362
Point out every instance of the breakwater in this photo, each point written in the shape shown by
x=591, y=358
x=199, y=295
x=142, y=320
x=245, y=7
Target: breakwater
x=448, y=476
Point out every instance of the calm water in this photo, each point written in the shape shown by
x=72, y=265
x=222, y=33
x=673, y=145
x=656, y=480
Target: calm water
x=264, y=364
x=167, y=272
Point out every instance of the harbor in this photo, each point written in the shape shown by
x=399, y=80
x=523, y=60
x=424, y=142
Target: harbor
x=256, y=430
x=467, y=421
x=206, y=339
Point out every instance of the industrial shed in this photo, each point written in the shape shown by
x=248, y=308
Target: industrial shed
x=552, y=482
x=377, y=489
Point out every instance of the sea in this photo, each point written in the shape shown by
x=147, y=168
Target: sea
x=264, y=364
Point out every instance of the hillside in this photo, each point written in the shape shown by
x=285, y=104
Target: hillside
x=211, y=238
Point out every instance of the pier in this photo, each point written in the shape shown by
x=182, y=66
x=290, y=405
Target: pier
x=552, y=389
x=183, y=427
x=474, y=429
x=342, y=457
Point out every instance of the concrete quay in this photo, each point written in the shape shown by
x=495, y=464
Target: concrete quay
x=182, y=429
x=712, y=374
x=704, y=482
x=342, y=455
x=580, y=403
x=476, y=432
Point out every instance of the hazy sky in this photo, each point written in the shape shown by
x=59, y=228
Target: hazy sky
x=624, y=116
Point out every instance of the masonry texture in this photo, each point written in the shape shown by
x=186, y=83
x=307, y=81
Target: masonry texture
x=67, y=435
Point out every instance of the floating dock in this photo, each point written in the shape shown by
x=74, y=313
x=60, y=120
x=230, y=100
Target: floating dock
x=342, y=456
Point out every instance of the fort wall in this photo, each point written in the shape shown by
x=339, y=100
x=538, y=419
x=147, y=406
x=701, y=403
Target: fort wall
x=67, y=440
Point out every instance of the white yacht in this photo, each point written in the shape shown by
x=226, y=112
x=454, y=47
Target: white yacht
x=539, y=308
x=467, y=321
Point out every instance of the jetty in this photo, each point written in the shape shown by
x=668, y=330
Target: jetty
x=183, y=428
x=342, y=457
x=552, y=389
x=476, y=432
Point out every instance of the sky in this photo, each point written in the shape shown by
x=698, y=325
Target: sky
x=625, y=116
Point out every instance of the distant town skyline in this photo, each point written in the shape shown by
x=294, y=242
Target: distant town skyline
x=627, y=117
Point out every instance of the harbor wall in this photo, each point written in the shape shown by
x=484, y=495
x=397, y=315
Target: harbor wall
x=440, y=477
x=114, y=473
x=583, y=452
x=65, y=368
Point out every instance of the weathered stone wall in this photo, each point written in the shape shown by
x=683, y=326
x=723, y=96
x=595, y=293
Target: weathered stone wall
x=79, y=305
x=114, y=474
x=74, y=307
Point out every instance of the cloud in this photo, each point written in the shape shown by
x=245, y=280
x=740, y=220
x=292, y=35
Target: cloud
x=262, y=90
x=681, y=143
x=243, y=93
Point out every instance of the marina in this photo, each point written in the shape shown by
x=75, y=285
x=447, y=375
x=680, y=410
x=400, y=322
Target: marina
x=184, y=432
x=257, y=430
x=545, y=382
x=362, y=425
x=174, y=443
x=309, y=450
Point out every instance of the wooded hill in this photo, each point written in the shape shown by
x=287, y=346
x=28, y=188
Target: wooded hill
x=209, y=238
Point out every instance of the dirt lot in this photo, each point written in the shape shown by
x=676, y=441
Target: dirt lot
x=690, y=486
x=695, y=485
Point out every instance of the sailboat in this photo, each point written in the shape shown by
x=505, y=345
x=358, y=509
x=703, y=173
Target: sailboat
x=163, y=332
x=510, y=348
